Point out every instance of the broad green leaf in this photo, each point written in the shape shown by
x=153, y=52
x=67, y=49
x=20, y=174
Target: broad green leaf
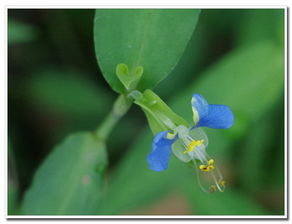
x=152, y=38
x=249, y=80
x=68, y=92
x=19, y=32
x=70, y=180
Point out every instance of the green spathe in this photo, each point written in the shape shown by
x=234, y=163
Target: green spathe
x=160, y=117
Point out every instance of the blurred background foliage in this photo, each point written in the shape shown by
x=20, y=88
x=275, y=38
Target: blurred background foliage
x=235, y=57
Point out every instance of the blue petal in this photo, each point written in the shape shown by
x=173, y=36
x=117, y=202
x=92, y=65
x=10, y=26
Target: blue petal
x=161, y=150
x=199, y=106
x=218, y=116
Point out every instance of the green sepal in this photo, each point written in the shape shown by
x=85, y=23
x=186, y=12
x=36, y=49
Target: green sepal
x=160, y=117
x=130, y=79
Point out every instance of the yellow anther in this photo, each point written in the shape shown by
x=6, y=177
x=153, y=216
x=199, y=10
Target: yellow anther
x=193, y=144
x=208, y=167
x=203, y=167
x=211, y=162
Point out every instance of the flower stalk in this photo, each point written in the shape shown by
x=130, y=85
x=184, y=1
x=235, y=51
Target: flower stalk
x=119, y=109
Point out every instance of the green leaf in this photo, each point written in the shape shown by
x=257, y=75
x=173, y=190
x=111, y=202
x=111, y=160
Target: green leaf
x=152, y=38
x=70, y=180
x=249, y=80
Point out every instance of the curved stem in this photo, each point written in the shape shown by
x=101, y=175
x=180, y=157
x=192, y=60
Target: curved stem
x=120, y=108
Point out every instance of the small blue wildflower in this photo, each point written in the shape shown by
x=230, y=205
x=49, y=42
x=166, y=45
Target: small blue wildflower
x=189, y=144
x=211, y=115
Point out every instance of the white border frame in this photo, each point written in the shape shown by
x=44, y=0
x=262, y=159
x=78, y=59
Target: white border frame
x=149, y=217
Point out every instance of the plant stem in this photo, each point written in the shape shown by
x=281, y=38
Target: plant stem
x=120, y=108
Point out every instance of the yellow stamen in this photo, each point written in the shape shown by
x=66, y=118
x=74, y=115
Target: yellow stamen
x=208, y=167
x=193, y=144
x=211, y=162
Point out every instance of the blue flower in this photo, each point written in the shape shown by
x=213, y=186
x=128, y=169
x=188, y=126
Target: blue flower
x=161, y=151
x=189, y=144
x=211, y=115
